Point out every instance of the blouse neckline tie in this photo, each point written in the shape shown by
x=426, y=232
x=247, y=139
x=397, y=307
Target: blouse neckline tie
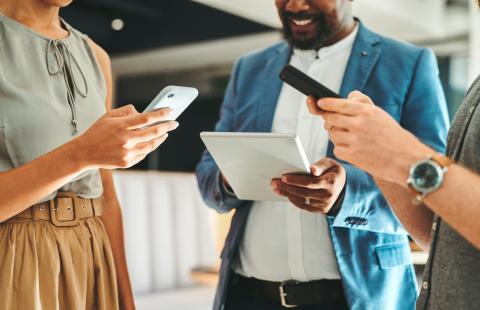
x=60, y=61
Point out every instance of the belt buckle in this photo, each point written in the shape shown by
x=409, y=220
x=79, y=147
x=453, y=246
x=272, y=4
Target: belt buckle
x=54, y=208
x=283, y=295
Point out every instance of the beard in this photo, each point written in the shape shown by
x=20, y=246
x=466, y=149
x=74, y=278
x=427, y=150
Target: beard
x=323, y=33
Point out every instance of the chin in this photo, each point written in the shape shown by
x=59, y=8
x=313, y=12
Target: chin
x=58, y=3
x=305, y=42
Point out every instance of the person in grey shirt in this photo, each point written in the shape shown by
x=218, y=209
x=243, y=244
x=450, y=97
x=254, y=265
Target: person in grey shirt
x=436, y=198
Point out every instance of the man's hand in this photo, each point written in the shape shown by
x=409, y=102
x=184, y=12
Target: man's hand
x=317, y=192
x=368, y=137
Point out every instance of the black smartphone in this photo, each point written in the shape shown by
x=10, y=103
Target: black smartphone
x=305, y=84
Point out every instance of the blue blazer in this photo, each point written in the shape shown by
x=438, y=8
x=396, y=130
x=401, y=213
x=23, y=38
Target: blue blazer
x=370, y=244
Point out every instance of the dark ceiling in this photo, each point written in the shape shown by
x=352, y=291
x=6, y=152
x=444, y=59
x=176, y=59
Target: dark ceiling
x=154, y=23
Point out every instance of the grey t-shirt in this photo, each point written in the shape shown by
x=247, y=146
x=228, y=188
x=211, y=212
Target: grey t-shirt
x=452, y=275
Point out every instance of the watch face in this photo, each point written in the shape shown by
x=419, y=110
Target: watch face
x=426, y=176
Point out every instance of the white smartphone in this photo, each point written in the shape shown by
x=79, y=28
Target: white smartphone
x=178, y=98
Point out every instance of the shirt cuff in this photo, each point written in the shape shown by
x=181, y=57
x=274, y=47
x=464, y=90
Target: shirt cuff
x=226, y=189
x=338, y=204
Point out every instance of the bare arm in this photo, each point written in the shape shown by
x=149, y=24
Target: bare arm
x=28, y=184
x=417, y=220
x=112, y=216
x=112, y=219
x=457, y=201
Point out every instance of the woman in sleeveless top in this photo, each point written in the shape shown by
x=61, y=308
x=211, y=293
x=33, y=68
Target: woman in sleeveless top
x=61, y=245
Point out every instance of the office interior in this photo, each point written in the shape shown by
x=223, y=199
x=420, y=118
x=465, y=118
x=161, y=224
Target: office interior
x=173, y=239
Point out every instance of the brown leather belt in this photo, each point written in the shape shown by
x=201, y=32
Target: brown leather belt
x=65, y=210
x=293, y=294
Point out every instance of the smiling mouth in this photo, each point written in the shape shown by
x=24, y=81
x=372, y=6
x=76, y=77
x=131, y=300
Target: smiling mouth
x=302, y=22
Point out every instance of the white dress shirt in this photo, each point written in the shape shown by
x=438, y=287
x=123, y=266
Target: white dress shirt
x=282, y=242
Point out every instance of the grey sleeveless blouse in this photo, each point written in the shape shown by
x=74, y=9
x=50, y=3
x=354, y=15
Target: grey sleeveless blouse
x=50, y=92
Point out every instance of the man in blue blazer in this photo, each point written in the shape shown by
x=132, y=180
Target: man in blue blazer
x=337, y=245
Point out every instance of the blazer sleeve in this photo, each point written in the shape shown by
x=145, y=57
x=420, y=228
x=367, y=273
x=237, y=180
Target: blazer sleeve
x=425, y=115
x=208, y=174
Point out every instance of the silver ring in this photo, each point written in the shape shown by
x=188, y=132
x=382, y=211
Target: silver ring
x=307, y=201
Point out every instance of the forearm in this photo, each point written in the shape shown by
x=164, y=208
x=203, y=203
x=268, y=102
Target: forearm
x=24, y=186
x=113, y=222
x=457, y=202
x=417, y=220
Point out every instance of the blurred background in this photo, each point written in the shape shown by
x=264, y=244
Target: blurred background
x=173, y=239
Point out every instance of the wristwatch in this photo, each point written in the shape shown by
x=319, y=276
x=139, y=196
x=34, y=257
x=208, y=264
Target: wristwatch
x=426, y=176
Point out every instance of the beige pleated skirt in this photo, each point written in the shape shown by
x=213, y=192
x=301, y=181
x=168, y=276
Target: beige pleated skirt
x=44, y=267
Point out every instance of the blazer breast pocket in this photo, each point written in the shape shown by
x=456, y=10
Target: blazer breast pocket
x=393, y=255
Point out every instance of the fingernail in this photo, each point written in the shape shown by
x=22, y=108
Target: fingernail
x=176, y=124
x=284, y=179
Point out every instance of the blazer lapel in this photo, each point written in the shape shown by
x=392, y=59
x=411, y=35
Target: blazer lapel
x=364, y=56
x=363, y=59
x=270, y=87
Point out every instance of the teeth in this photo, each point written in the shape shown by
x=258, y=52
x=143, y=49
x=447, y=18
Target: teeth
x=302, y=22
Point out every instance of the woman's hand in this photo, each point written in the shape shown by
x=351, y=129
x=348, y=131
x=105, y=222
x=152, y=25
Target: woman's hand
x=123, y=137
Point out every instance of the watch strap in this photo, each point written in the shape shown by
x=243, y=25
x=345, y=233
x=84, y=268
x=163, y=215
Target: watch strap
x=442, y=160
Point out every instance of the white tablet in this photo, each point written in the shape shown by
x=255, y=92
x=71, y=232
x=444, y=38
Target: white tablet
x=250, y=161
